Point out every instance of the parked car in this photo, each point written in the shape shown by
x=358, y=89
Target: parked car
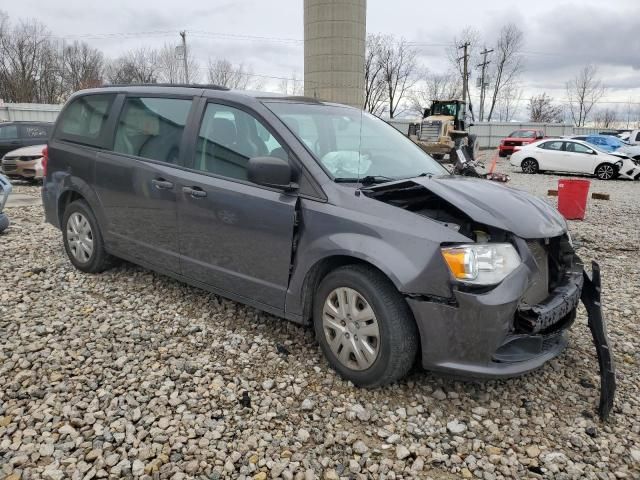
x=575, y=156
x=15, y=135
x=321, y=214
x=632, y=137
x=611, y=144
x=517, y=139
x=5, y=191
x=24, y=163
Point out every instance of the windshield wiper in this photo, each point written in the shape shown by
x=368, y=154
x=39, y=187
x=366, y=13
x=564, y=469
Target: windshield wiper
x=366, y=180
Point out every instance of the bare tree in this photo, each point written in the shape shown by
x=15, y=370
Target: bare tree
x=4, y=22
x=24, y=48
x=222, y=72
x=83, y=67
x=291, y=86
x=398, y=61
x=135, y=66
x=543, y=110
x=170, y=65
x=583, y=92
x=507, y=63
x=49, y=80
x=508, y=103
x=374, y=85
x=437, y=86
x=606, y=118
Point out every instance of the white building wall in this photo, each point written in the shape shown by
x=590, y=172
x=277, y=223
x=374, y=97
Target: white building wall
x=29, y=111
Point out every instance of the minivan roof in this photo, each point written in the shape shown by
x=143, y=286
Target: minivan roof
x=177, y=88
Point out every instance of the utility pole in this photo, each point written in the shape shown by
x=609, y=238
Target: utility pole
x=185, y=62
x=465, y=72
x=483, y=85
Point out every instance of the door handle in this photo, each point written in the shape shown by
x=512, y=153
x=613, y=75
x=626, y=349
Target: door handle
x=195, y=192
x=161, y=183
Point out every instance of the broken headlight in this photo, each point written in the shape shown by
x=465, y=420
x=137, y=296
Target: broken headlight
x=481, y=263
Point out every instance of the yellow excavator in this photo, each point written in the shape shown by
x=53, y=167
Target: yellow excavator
x=443, y=130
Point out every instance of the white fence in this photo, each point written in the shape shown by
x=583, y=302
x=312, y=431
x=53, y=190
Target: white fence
x=489, y=134
x=29, y=111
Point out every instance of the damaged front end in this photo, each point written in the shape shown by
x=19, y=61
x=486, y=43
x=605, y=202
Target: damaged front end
x=517, y=325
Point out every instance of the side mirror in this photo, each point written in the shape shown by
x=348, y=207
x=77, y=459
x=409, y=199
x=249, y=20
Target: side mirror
x=271, y=172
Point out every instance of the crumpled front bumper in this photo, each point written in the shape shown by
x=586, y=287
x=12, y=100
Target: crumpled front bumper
x=476, y=337
x=462, y=339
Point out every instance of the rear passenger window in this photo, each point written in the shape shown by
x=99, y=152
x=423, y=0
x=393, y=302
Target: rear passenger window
x=84, y=119
x=152, y=128
x=228, y=138
x=552, y=145
x=8, y=132
x=34, y=131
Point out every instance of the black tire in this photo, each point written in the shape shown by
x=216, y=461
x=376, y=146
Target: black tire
x=502, y=154
x=398, y=333
x=4, y=222
x=606, y=171
x=438, y=156
x=529, y=165
x=99, y=260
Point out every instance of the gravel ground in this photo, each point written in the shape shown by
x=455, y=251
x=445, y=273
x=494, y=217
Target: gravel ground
x=132, y=374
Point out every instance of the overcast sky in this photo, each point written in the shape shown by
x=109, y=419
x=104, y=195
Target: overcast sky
x=560, y=36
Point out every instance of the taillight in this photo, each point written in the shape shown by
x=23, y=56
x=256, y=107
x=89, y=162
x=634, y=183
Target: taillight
x=45, y=160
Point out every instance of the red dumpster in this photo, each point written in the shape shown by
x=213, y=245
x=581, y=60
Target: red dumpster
x=572, y=198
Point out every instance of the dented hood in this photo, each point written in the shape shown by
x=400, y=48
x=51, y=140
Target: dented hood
x=498, y=205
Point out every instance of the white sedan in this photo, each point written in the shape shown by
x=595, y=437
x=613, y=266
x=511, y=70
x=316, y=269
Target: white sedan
x=574, y=156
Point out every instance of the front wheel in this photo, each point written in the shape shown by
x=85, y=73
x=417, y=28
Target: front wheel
x=364, y=326
x=529, y=165
x=605, y=171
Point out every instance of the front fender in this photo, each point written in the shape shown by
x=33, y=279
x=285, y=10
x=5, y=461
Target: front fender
x=407, y=253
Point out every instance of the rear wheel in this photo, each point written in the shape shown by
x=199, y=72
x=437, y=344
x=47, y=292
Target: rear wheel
x=605, y=171
x=503, y=154
x=529, y=165
x=83, y=240
x=364, y=326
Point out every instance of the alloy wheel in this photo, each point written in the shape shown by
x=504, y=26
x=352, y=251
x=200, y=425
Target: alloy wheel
x=351, y=328
x=605, y=172
x=80, y=237
x=529, y=166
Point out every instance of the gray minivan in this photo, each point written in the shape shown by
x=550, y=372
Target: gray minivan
x=321, y=214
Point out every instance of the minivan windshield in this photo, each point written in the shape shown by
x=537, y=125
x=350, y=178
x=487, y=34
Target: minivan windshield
x=353, y=145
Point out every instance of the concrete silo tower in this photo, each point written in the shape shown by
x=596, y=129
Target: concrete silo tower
x=334, y=46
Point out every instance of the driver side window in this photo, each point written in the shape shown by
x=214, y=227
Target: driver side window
x=228, y=138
